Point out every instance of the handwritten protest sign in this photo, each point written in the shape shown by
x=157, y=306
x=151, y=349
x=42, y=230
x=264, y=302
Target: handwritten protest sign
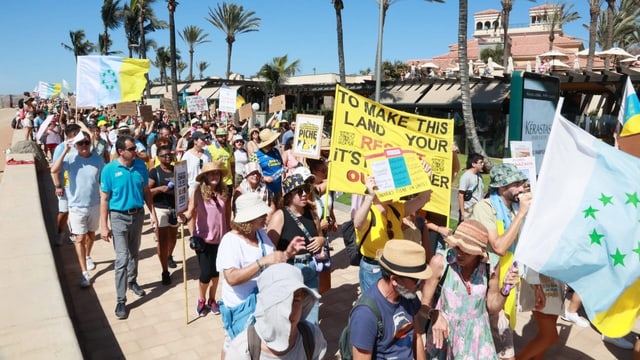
x=227, y=99
x=146, y=112
x=398, y=173
x=308, y=135
x=277, y=103
x=527, y=165
x=181, y=187
x=127, y=108
x=363, y=127
x=196, y=103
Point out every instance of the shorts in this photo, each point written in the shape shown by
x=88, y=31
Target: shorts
x=26, y=122
x=84, y=220
x=163, y=217
x=63, y=203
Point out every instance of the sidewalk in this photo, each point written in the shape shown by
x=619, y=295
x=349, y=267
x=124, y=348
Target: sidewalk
x=156, y=325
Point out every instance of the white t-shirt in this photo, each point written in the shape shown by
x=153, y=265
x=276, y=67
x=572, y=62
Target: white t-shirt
x=234, y=252
x=194, y=167
x=239, y=348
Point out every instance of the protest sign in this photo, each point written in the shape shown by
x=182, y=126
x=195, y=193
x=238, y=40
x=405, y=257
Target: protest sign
x=181, y=186
x=147, y=113
x=127, y=108
x=398, y=173
x=277, y=103
x=308, y=135
x=245, y=112
x=196, y=103
x=521, y=148
x=227, y=99
x=362, y=127
x=167, y=106
x=527, y=165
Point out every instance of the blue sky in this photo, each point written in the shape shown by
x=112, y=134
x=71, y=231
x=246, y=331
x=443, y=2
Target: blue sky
x=304, y=30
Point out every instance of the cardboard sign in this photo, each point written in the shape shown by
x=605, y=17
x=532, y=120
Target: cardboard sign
x=72, y=102
x=245, y=112
x=196, y=103
x=147, y=113
x=167, y=105
x=277, y=103
x=308, y=135
x=127, y=108
x=181, y=186
x=227, y=99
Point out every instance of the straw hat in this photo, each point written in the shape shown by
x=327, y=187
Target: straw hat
x=471, y=237
x=254, y=129
x=404, y=258
x=212, y=166
x=185, y=131
x=250, y=207
x=267, y=137
x=325, y=144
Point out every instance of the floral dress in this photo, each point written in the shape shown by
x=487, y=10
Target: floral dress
x=465, y=308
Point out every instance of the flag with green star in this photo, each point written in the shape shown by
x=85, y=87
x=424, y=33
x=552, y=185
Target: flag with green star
x=583, y=227
x=105, y=80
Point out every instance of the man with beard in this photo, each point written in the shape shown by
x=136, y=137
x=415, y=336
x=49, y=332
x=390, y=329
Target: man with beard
x=404, y=267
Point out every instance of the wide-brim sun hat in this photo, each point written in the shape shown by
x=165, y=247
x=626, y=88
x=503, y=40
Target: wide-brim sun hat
x=250, y=207
x=291, y=183
x=404, y=258
x=212, y=166
x=185, y=131
x=251, y=167
x=325, y=144
x=267, y=137
x=471, y=237
x=505, y=174
x=276, y=287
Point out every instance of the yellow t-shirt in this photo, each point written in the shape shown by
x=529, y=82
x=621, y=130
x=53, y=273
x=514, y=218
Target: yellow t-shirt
x=224, y=153
x=378, y=235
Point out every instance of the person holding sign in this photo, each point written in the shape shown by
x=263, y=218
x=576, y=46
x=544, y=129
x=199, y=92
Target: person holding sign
x=377, y=222
x=270, y=160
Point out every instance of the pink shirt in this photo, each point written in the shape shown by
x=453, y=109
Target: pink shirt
x=210, y=222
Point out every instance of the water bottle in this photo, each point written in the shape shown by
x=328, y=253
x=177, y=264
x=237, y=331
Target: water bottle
x=170, y=185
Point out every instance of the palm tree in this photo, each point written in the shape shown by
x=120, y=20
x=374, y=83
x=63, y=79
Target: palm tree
x=338, y=5
x=463, y=63
x=594, y=11
x=131, y=30
x=232, y=19
x=276, y=73
x=144, y=12
x=80, y=46
x=193, y=35
x=162, y=62
x=111, y=14
x=102, y=45
x=562, y=14
x=202, y=66
x=171, y=6
x=611, y=14
x=181, y=66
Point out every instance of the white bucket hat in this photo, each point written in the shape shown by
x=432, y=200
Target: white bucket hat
x=276, y=286
x=250, y=207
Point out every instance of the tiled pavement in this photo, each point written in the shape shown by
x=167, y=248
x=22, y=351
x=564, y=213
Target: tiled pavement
x=157, y=325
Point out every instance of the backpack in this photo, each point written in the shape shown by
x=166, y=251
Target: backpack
x=254, y=342
x=344, y=344
x=349, y=237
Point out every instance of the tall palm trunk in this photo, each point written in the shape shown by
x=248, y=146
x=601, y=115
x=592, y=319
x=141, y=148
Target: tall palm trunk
x=506, y=11
x=608, y=44
x=172, y=48
x=142, y=50
x=229, y=47
x=467, y=111
x=191, y=51
x=105, y=42
x=338, y=5
x=594, y=11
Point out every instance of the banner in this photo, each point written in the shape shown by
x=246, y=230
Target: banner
x=227, y=99
x=363, y=127
x=104, y=80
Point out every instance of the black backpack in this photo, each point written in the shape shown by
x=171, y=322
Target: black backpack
x=344, y=344
x=254, y=342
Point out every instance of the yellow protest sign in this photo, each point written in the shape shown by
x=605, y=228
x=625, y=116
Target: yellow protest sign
x=362, y=127
x=398, y=173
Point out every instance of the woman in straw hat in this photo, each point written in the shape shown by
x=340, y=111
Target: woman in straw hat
x=297, y=219
x=244, y=253
x=470, y=292
x=207, y=211
x=254, y=140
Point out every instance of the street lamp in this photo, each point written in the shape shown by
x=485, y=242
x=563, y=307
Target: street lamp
x=379, y=52
x=255, y=107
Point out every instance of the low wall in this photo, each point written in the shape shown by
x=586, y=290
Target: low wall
x=35, y=322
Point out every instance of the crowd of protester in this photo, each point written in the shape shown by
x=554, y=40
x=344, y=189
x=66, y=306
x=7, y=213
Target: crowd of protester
x=258, y=218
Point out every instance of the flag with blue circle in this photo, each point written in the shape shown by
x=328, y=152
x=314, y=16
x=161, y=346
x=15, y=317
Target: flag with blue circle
x=104, y=80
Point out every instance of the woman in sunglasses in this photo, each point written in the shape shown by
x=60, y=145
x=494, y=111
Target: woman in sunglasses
x=161, y=186
x=297, y=218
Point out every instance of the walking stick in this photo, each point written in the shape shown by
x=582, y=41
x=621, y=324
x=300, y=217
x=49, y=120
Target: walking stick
x=184, y=277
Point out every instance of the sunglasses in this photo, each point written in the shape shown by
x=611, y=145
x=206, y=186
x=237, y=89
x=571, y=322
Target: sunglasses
x=166, y=156
x=132, y=149
x=306, y=188
x=84, y=143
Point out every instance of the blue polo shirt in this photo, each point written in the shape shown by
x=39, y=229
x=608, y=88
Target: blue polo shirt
x=125, y=185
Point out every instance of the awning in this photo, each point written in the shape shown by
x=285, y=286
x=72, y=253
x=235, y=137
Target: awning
x=483, y=94
x=208, y=92
x=403, y=94
x=195, y=86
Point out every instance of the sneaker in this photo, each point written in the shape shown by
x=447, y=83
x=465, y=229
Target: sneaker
x=85, y=280
x=202, y=308
x=215, y=310
x=620, y=342
x=90, y=264
x=133, y=286
x=166, y=278
x=576, y=319
x=121, y=311
x=172, y=264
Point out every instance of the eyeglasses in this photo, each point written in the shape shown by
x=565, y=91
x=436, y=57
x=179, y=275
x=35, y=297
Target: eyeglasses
x=132, y=149
x=84, y=143
x=306, y=188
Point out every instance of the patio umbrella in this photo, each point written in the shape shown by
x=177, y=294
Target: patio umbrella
x=429, y=65
x=554, y=54
x=557, y=64
x=583, y=53
x=631, y=59
x=614, y=52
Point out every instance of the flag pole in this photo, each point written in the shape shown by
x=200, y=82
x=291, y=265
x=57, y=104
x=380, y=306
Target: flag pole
x=184, y=277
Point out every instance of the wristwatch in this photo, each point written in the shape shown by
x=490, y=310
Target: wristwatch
x=260, y=266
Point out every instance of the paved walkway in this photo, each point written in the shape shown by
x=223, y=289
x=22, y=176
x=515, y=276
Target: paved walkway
x=157, y=327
